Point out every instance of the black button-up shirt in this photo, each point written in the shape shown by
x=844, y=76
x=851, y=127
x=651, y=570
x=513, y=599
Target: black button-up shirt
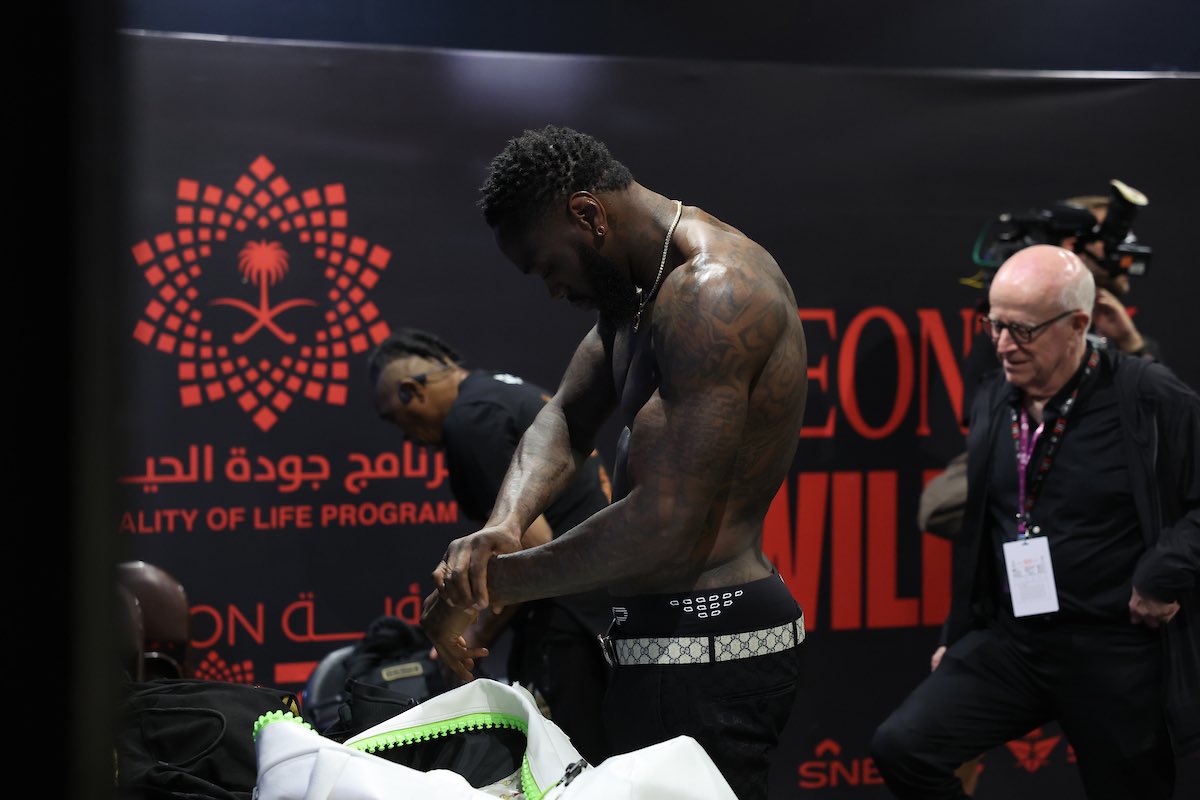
x=1085, y=505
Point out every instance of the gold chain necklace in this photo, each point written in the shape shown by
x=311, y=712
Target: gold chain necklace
x=637, y=319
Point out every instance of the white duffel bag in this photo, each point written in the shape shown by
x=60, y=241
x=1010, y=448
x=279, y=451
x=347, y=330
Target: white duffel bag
x=297, y=763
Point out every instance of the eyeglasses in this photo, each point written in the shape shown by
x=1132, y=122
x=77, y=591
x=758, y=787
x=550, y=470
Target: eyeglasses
x=1021, y=334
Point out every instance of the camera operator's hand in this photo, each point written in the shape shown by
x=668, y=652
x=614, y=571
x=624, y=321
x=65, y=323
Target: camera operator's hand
x=1112, y=321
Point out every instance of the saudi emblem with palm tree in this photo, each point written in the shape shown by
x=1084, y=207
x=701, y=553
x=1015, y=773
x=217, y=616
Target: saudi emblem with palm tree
x=316, y=346
x=264, y=264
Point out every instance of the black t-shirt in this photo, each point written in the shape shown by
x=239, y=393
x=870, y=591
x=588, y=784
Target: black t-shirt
x=1085, y=504
x=480, y=435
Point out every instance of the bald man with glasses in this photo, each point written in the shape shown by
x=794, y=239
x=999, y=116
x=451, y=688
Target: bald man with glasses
x=1075, y=574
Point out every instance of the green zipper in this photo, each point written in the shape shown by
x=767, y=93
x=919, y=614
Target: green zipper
x=428, y=732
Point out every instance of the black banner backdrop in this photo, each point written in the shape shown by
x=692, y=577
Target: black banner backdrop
x=290, y=204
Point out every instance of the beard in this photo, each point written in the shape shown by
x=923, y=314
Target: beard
x=613, y=294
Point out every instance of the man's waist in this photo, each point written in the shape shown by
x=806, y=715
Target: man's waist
x=757, y=605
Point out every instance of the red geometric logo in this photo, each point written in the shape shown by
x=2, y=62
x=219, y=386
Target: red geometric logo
x=215, y=668
x=827, y=747
x=1032, y=750
x=829, y=769
x=253, y=224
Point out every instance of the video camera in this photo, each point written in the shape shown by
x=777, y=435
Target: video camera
x=1013, y=231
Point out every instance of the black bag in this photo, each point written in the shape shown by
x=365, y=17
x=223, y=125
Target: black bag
x=187, y=738
x=361, y=685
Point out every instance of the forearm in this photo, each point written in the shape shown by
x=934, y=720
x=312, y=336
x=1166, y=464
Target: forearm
x=543, y=465
x=1171, y=569
x=624, y=541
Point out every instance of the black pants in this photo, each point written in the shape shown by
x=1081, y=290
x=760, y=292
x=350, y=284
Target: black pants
x=1102, y=685
x=554, y=654
x=736, y=710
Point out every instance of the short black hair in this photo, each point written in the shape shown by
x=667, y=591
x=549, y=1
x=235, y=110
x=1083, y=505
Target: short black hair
x=541, y=166
x=406, y=342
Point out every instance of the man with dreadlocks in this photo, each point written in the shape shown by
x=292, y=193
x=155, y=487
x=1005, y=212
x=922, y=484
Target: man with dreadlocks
x=699, y=350
x=477, y=417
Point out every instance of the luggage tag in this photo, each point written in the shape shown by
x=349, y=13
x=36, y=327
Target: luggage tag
x=1030, y=576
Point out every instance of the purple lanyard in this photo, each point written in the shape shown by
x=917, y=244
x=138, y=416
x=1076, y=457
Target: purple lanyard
x=1024, y=445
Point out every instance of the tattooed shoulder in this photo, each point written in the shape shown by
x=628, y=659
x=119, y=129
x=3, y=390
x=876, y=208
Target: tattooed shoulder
x=716, y=319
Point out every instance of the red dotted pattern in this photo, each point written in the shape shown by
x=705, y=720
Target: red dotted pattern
x=173, y=320
x=215, y=668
